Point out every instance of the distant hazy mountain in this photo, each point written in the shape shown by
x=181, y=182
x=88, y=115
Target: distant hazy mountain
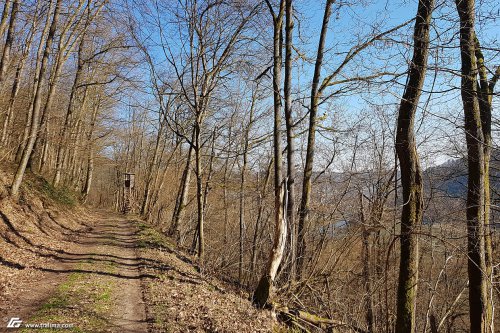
x=451, y=176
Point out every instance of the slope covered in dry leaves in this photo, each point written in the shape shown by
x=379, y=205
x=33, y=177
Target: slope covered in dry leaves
x=104, y=272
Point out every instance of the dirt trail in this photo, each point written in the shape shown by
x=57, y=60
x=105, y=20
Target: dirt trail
x=103, y=257
x=121, y=275
x=118, y=239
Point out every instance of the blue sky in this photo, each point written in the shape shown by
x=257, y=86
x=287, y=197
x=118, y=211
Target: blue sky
x=442, y=112
x=353, y=23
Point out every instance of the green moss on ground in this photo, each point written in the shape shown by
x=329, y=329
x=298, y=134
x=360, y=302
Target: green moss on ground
x=151, y=238
x=83, y=300
x=60, y=195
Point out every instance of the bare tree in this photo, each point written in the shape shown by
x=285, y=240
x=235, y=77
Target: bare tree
x=17, y=78
x=182, y=194
x=265, y=287
x=290, y=152
x=311, y=140
x=37, y=100
x=486, y=87
x=475, y=211
x=4, y=60
x=5, y=16
x=411, y=173
x=39, y=56
x=67, y=43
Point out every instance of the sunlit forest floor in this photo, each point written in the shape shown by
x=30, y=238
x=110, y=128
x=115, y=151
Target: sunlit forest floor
x=98, y=271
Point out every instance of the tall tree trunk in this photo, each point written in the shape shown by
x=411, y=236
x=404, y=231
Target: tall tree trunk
x=246, y=147
x=411, y=173
x=26, y=132
x=365, y=258
x=69, y=36
x=475, y=158
x=182, y=194
x=17, y=78
x=74, y=141
x=158, y=189
x=225, y=181
x=90, y=156
x=287, y=90
x=199, y=189
x=152, y=170
x=224, y=194
x=264, y=289
x=39, y=56
x=7, y=123
x=242, y=208
x=485, y=93
x=199, y=236
x=4, y=60
x=37, y=100
x=262, y=194
x=61, y=147
x=311, y=139
x=5, y=16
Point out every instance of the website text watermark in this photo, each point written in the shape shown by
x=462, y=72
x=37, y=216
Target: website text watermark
x=16, y=322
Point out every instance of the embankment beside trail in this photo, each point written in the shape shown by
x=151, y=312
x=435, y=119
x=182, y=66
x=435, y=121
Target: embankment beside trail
x=181, y=299
x=61, y=263
x=35, y=228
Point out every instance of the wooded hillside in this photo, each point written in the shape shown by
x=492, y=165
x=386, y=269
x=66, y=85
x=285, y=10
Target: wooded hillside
x=336, y=162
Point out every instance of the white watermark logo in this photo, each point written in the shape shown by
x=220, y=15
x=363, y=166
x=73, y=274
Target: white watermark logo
x=14, y=322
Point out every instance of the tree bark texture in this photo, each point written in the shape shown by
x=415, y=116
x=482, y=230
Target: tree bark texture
x=264, y=289
x=311, y=142
x=476, y=266
x=411, y=173
x=37, y=100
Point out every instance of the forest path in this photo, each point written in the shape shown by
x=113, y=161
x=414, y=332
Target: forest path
x=114, y=249
x=119, y=274
x=97, y=286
